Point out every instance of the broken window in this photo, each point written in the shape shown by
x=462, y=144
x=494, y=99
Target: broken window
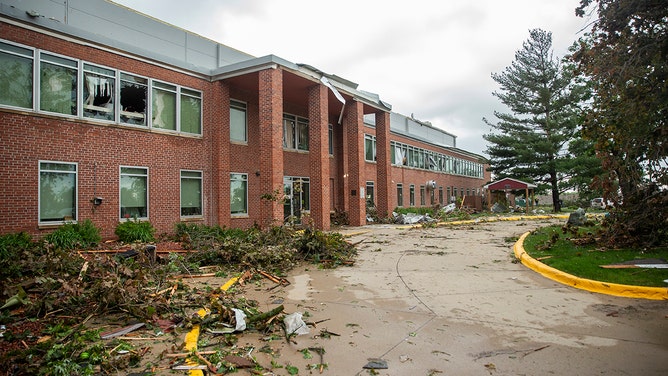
x=191, y=111
x=238, y=127
x=134, y=91
x=98, y=93
x=58, y=85
x=16, y=81
x=134, y=192
x=238, y=194
x=57, y=192
x=191, y=193
x=164, y=106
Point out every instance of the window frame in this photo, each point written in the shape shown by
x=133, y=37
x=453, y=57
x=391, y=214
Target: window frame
x=30, y=55
x=77, y=86
x=199, y=178
x=370, y=194
x=244, y=179
x=40, y=199
x=400, y=195
x=241, y=107
x=411, y=195
x=369, y=141
x=127, y=216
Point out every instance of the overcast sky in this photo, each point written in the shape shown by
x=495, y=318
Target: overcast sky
x=430, y=58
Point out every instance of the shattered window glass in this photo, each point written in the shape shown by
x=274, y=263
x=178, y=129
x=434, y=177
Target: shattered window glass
x=134, y=91
x=98, y=93
x=164, y=106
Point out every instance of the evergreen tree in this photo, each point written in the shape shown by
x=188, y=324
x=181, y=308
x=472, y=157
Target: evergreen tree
x=532, y=141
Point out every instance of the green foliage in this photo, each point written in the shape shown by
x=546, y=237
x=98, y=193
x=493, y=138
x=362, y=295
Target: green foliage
x=531, y=142
x=624, y=58
x=12, y=247
x=74, y=235
x=134, y=230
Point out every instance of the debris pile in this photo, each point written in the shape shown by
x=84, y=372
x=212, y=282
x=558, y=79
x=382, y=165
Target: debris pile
x=131, y=306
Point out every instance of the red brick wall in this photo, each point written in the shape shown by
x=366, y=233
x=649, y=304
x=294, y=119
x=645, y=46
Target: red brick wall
x=99, y=149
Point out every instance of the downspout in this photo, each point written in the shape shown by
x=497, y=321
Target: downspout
x=338, y=95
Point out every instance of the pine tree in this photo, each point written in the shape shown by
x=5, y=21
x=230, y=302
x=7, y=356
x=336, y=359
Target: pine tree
x=532, y=141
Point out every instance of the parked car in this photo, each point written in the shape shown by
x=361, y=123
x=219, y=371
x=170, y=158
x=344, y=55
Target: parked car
x=598, y=203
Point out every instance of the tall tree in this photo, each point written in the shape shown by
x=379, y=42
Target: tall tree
x=532, y=141
x=626, y=58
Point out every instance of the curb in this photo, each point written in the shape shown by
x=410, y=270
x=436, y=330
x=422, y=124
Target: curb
x=627, y=291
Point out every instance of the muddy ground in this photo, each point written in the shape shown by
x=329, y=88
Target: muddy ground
x=439, y=301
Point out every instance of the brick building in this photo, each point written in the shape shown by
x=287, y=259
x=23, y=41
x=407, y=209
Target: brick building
x=108, y=114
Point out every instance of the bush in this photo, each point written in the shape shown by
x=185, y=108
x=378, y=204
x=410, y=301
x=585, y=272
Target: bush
x=12, y=246
x=75, y=235
x=135, y=230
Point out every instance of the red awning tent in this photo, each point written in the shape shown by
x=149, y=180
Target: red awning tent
x=508, y=185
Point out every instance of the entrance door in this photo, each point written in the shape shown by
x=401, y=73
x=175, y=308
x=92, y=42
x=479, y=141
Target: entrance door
x=297, y=198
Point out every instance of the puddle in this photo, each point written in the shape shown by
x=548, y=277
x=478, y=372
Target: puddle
x=300, y=288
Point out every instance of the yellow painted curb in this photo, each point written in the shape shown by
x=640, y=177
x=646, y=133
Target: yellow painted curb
x=628, y=291
x=190, y=341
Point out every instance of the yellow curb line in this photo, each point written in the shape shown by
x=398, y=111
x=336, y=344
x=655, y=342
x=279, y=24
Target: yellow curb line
x=628, y=291
x=193, y=335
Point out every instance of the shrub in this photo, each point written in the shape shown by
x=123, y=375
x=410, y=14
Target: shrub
x=12, y=246
x=75, y=235
x=135, y=230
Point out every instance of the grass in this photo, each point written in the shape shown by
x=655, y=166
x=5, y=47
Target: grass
x=574, y=255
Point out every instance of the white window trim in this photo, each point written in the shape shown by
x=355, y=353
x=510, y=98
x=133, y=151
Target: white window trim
x=244, y=214
x=201, y=193
x=39, y=193
x=148, y=192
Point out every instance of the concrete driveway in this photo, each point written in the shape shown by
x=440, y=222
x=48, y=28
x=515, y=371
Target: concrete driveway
x=453, y=301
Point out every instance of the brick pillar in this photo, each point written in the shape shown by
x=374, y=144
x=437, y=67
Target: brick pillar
x=383, y=165
x=271, y=144
x=220, y=174
x=354, y=179
x=319, y=156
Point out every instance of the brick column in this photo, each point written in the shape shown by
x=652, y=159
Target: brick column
x=220, y=174
x=354, y=179
x=319, y=156
x=383, y=165
x=270, y=93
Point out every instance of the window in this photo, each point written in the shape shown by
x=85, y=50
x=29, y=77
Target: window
x=400, y=195
x=191, y=193
x=57, y=192
x=98, y=93
x=411, y=193
x=191, y=111
x=330, y=133
x=164, y=106
x=369, y=148
x=16, y=78
x=58, y=85
x=134, y=92
x=440, y=195
x=295, y=132
x=238, y=126
x=370, y=199
x=422, y=196
x=238, y=194
x=134, y=192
